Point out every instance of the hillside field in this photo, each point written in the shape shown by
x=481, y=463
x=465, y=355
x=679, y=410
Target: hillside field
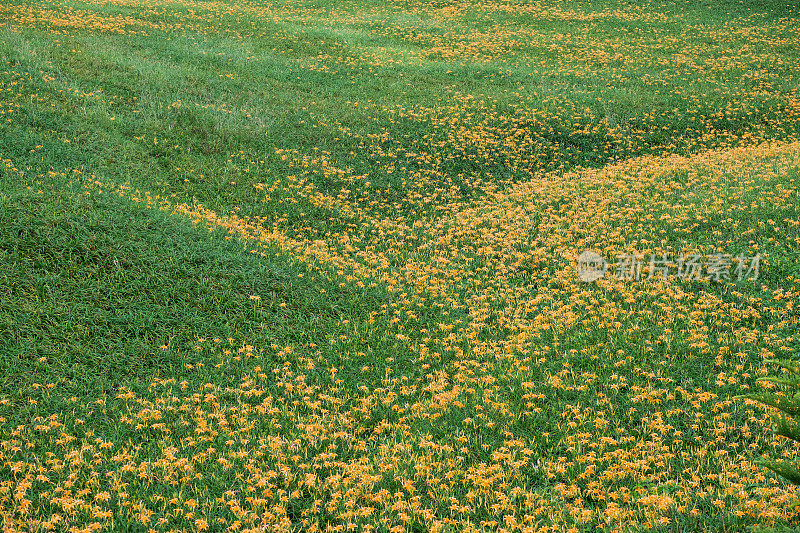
x=313, y=265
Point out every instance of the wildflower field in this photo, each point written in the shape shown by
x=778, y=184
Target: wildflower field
x=312, y=265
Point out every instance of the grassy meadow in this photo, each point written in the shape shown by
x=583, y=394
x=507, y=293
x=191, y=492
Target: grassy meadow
x=311, y=265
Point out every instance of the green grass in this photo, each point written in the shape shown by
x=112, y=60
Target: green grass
x=425, y=121
x=94, y=286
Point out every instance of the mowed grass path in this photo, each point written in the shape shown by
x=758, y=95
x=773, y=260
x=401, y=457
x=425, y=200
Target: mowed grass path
x=311, y=266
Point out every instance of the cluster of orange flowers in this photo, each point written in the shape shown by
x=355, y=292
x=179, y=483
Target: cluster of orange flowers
x=316, y=455
x=516, y=397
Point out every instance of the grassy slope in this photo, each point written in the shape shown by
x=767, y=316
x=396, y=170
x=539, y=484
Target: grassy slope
x=376, y=329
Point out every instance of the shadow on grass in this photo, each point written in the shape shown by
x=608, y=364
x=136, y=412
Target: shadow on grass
x=94, y=287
